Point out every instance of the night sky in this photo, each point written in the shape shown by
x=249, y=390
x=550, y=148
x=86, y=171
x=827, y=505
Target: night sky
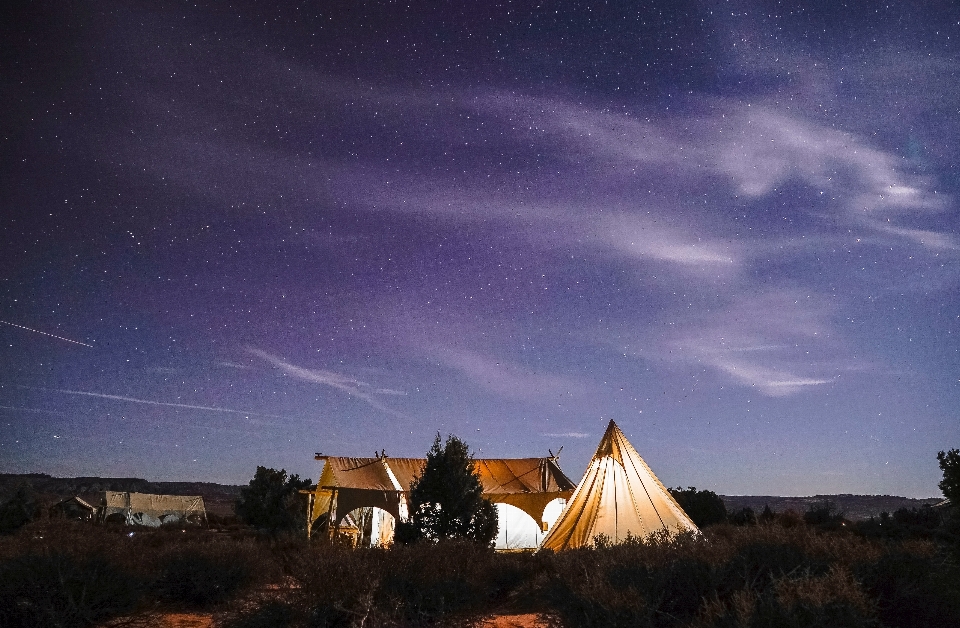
x=235, y=235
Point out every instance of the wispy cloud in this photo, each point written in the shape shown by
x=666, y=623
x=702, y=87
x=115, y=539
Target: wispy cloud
x=779, y=344
x=566, y=434
x=151, y=402
x=757, y=148
x=638, y=237
x=506, y=378
x=349, y=385
x=772, y=381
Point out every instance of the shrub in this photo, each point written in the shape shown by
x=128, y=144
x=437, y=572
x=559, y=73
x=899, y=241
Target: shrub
x=758, y=564
x=453, y=578
x=19, y=510
x=743, y=517
x=823, y=514
x=913, y=589
x=57, y=589
x=201, y=578
x=767, y=516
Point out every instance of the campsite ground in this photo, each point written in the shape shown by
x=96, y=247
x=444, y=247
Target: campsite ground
x=784, y=572
x=205, y=620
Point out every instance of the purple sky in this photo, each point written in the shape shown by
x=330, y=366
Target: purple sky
x=249, y=233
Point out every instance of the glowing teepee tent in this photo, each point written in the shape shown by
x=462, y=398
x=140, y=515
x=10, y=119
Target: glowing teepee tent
x=618, y=495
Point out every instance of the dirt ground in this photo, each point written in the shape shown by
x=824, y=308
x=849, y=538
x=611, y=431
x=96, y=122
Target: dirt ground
x=530, y=620
x=205, y=620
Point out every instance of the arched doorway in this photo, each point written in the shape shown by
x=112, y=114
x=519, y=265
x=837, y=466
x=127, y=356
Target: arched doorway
x=518, y=530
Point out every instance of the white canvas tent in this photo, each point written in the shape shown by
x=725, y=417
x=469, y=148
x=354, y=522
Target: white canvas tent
x=528, y=484
x=151, y=510
x=618, y=495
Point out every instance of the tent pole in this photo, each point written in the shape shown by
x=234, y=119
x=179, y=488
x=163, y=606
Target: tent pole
x=332, y=525
x=310, y=499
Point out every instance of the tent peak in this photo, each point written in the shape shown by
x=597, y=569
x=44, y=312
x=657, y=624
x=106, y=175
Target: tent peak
x=611, y=444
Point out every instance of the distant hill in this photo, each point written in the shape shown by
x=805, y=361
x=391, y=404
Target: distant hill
x=217, y=498
x=853, y=507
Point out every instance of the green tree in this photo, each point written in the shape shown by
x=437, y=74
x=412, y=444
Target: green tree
x=446, y=500
x=950, y=465
x=272, y=501
x=704, y=507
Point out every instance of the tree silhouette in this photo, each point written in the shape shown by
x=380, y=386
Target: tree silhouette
x=950, y=465
x=272, y=501
x=704, y=507
x=446, y=500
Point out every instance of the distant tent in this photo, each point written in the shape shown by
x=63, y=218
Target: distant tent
x=618, y=495
x=152, y=510
x=73, y=508
x=345, y=484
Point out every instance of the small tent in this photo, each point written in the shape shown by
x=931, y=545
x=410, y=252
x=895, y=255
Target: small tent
x=152, y=510
x=73, y=508
x=618, y=496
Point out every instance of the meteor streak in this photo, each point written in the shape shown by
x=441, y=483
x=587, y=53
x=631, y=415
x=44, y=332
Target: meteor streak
x=37, y=331
x=150, y=402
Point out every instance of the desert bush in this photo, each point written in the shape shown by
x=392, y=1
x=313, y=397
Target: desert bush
x=448, y=583
x=913, y=588
x=61, y=590
x=730, y=576
x=451, y=579
x=201, y=578
x=924, y=517
x=578, y=590
x=820, y=513
x=765, y=575
x=19, y=510
x=658, y=581
x=788, y=519
x=757, y=565
x=335, y=585
x=743, y=517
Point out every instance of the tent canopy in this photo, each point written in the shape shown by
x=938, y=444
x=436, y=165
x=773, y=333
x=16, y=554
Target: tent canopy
x=618, y=495
x=527, y=483
x=149, y=509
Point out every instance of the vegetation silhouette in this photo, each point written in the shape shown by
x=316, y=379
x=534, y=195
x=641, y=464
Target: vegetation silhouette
x=19, y=510
x=950, y=484
x=272, y=502
x=446, y=500
x=705, y=508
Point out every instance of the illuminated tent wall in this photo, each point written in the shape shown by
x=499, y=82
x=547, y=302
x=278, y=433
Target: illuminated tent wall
x=382, y=482
x=151, y=510
x=618, y=495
